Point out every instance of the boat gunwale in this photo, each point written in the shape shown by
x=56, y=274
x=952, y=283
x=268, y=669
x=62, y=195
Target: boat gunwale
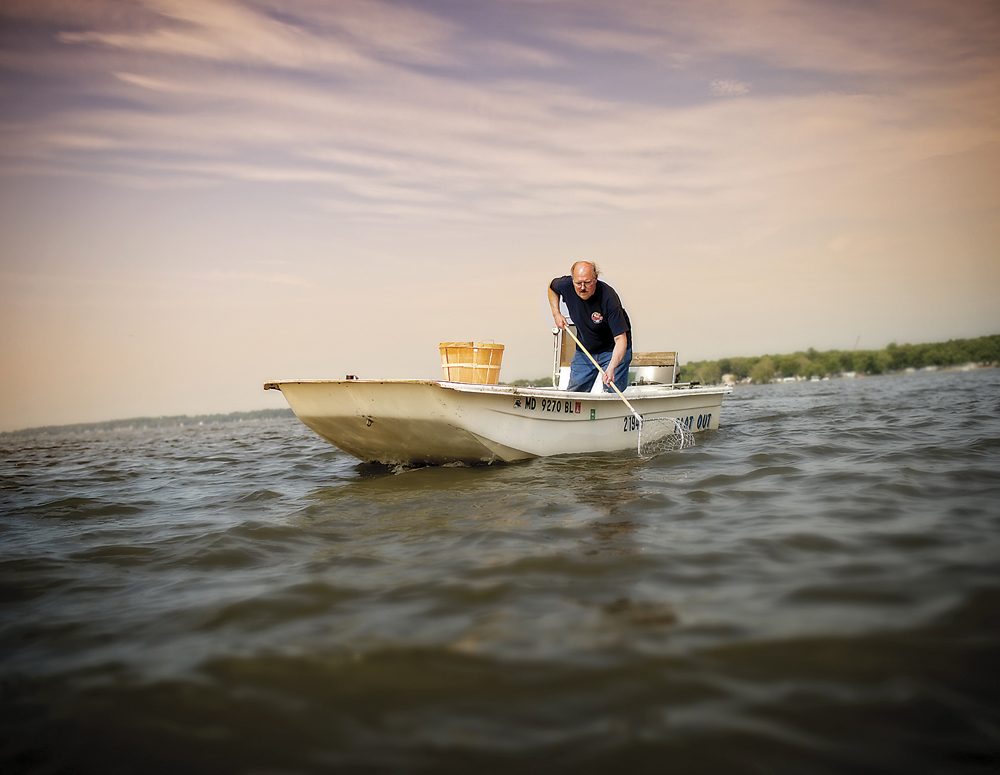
x=637, y=392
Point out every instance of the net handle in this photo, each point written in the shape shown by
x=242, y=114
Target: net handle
x=620, y=394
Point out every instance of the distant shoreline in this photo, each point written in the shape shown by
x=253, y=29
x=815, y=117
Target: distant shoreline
x=955, y=354
x=862, y=375
x=143, y=423
x=894, y=358
x=186, y=421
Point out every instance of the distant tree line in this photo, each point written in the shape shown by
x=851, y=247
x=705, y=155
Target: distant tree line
x=764, y=368
x=155, y=422
x=761, y=369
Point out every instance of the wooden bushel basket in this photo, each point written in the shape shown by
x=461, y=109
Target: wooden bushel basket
x=477, y=362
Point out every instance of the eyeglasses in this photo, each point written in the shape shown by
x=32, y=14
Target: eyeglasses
x=584, y=283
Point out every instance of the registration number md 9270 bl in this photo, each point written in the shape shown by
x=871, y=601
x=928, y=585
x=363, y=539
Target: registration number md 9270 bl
x=531, y=403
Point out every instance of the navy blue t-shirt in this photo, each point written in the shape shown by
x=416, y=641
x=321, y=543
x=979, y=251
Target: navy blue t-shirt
x=598, y=319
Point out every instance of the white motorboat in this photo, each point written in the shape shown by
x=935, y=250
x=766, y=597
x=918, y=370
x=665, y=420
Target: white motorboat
x=426, y=422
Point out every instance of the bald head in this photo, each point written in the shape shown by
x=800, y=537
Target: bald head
x=584, y=278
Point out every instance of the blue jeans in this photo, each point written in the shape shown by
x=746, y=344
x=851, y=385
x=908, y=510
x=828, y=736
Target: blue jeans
x=582, y=372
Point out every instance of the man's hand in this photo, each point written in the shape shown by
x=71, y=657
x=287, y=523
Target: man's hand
x=557, y=316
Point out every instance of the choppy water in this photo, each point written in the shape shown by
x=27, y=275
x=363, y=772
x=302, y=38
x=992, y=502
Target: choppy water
x=814, y=588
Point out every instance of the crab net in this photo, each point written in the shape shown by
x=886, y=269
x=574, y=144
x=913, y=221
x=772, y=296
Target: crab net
x=663, y=434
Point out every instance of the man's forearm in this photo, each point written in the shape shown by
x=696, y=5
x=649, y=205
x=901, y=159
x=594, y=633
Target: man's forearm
x=621, y=345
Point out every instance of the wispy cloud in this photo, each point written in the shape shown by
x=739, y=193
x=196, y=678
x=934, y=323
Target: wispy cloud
x=339, y=100
x=728, y=88
x=340, y=97
x=326, y=37
x=224, y=32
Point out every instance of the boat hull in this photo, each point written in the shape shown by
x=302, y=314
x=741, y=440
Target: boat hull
x=418, y=422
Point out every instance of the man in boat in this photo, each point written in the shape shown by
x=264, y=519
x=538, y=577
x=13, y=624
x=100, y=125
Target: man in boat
x=602, y=326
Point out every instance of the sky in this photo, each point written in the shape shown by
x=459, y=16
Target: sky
x=200, y=196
